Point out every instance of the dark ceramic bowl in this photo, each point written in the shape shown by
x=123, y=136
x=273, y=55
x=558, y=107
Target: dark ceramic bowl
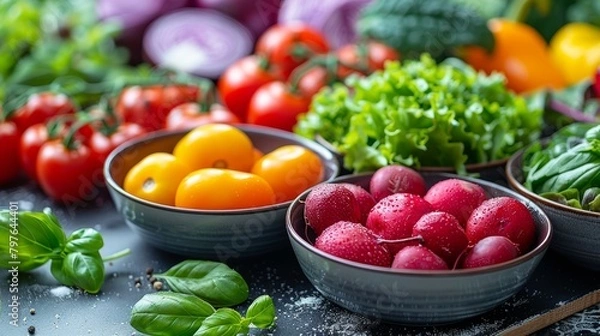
x=211, y=234
x=576, y=232
x=415, y=297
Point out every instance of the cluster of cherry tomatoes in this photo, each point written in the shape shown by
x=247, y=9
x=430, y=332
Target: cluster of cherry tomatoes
x=216, y=167
x=291, y=63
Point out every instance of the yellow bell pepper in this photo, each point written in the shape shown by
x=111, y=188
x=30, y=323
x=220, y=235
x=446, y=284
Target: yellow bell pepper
x=575, y=49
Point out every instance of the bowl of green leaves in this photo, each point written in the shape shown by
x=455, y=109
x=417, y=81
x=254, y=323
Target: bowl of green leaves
x=562, y=175
x=437, y=117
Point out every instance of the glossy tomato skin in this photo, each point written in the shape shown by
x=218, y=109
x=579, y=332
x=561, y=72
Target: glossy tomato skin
x=40, y=107
x=223, y=189
x=156, y=178
x=312, y=81
x=216, y=146
x=280, y=42
x=102, y=144
x=274, y=105
x=376, y=55
x=240, y=81
x=189, y=115
x=9, y=152
x=67, y=175
x=289, y=170
x=30, y=143
x=148, y=106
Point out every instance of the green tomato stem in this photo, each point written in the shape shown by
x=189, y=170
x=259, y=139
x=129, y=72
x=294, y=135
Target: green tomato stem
x=117, y=255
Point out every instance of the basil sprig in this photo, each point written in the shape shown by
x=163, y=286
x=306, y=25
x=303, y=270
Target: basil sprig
x=188, y=310
x=30, y=239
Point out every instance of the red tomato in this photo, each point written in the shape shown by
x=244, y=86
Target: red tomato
x=376, y=54
x=148, y=106
x=66, y=174
x=9, y=152
x=101, y=144
x=189, y=115
x=288, y=46
x=31, y=141
x=40, y=107
x=274, y=105
x=240, y=81
x=312, y=81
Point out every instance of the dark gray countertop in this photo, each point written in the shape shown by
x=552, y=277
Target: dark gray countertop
x=301, y=310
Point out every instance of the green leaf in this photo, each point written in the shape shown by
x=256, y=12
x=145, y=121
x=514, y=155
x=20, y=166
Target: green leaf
x=35, y=237
x=224, y=322
x=261, y=312
x=211, y=281
x=58, y=272
x=585, y=11
x=415, y=26
x=169, y=314
x=84, y=240
x=86, y=270
x=591, y=199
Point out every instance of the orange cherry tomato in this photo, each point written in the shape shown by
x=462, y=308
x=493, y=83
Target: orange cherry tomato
x=257, y=154
x=216, y=146
x=156, y=178
x=290, y=170
x=223, y=189
x=521, y=54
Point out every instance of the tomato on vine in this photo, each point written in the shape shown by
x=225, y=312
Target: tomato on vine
x=364, y=58
x=148, y=106
x=240, y=81
x=288, y=46
x=9, y=152
x=40, y=107
x=276, y=105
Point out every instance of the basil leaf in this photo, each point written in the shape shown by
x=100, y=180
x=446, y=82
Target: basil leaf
x=169, y=314
x=224, y=322
x=57, y=270
x=84, y=240
x=86, y=270
x=32, y=239
x=211, y=281
x=261, y=312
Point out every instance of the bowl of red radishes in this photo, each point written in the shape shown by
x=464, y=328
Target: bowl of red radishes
x=416, y=249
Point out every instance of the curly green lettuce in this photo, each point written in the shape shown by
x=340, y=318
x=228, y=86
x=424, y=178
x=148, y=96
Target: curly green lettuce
x=422, y=114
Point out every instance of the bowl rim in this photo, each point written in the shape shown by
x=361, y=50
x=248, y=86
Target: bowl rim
x=155, y=135
x=471, y=167
x=540, y=249
x=520, y=188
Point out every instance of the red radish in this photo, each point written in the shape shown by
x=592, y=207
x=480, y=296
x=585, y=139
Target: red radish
x=329, y=203
x=365, y=200
x=489, y=251
x=442, y=234
x=418, y=258
x=502, y=216
x=396, y=179
x=352, y=241
x=456, y=197
x=394, y=217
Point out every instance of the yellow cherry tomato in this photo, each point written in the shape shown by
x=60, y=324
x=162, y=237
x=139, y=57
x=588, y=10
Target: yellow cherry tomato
x=223, y=189
x=216, y=146
x=156, y=178
x=290, y=170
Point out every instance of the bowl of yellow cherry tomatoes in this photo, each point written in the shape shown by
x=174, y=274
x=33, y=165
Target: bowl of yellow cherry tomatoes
x=217, y=191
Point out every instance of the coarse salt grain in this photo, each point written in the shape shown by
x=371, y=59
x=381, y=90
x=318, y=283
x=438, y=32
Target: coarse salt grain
x=61, y=291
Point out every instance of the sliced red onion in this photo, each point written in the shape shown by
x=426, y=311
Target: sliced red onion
x=336, y=19
x=202, y=42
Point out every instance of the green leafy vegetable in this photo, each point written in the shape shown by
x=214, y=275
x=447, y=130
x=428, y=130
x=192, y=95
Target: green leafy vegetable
x=170, y=314
x=30, y=239
x=211, y=281
x=433, y=26
x=567, y=169
x=224, y=322
x=419, y=113
x=261, y=312
x=585, y=11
